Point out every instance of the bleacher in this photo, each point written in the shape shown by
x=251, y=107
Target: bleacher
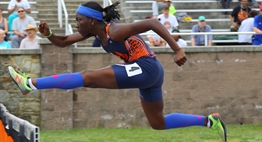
x=211, y=9
x=135, y=10
x=34, y=11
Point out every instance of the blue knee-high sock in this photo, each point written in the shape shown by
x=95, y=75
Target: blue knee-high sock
x=178, y=120
x=62, y=81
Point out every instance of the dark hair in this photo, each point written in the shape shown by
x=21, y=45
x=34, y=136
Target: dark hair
x=110, y=12
x=252, y=13
x=176, y=30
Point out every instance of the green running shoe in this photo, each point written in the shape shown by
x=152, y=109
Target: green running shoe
x=20, y=79
x=218, y=126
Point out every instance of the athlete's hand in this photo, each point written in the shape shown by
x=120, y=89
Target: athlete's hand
x=180, y=57
x=43, y=28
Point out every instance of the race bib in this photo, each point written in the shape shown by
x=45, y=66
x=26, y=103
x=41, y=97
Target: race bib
x=133, y=69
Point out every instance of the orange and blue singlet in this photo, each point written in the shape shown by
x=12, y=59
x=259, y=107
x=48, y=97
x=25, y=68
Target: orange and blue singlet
x=130, y=50
x=141, y=69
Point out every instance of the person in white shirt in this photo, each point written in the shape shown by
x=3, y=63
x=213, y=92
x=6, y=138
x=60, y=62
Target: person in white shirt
x=31, y=40
x=180, y=42
x=247, y=25
x=19, y=24
x=168, y=20
x=12, y=10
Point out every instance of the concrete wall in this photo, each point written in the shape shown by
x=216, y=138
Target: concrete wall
x=214, y=79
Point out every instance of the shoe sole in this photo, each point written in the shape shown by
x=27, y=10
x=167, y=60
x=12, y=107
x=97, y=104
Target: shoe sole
x=224, y=134
x=15, y=82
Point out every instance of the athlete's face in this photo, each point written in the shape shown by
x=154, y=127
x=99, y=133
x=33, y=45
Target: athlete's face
x=83, y=24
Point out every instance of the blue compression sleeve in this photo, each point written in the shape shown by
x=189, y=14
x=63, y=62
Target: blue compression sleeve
x=62, y=81
x=178, y=120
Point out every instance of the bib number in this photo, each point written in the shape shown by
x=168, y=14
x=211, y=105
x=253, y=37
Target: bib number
x=133, y=69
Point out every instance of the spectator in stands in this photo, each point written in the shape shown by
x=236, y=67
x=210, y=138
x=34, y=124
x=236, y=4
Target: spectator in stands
x=3, y=44
x=3, y=24
x=239, y=14
x=178, y=39
x=12, y=10
x=225, y=5
x=159, y=4
x=258, y=28
x=19, y=24
x=247, y=25
x=172, y=9
x=199, y=40
x=31, y=40
x=155, y=40
x=168, y=20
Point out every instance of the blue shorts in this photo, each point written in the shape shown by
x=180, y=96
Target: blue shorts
x=146, y=74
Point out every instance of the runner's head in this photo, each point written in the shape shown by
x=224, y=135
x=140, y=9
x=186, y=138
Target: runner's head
x=89, y=13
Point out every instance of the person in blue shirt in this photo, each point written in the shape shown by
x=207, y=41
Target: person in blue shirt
x=199, y=40
x=258, y=28
x=3, y=44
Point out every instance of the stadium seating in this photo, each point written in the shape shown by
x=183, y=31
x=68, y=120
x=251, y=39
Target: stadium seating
x=211, y=9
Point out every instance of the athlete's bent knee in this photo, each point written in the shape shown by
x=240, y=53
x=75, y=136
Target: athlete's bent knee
x=88, y=78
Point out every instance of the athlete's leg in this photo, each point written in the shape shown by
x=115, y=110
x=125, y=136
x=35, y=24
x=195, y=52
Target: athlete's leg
x=116, y=76
x=152, y=103
x=154, y=112
x=101, y=78
x=157, y=120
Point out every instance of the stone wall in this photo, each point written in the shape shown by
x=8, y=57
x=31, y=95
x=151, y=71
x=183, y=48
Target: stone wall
x=25, y=107
x=214, y=79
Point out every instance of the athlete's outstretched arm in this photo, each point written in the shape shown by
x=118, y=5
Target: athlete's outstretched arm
x=58, y=40
x=123, y=31
x=120, y=32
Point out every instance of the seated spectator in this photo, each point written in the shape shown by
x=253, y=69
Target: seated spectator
x=167, y=19
x=31, y=40
x=3, y=24
x=225, y=5
x=155, y=40
x=172, y=9
x=239, y=14
x=158, y=5
x=3, y=44
x=247, y=25
x=12, y=10
x=180, y=42
x=19, y=24
x=199, y=40
x=258, y=28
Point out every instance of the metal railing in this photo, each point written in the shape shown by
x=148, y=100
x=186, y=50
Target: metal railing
x=61, y=6
x=17, y=128
x=206, y=34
